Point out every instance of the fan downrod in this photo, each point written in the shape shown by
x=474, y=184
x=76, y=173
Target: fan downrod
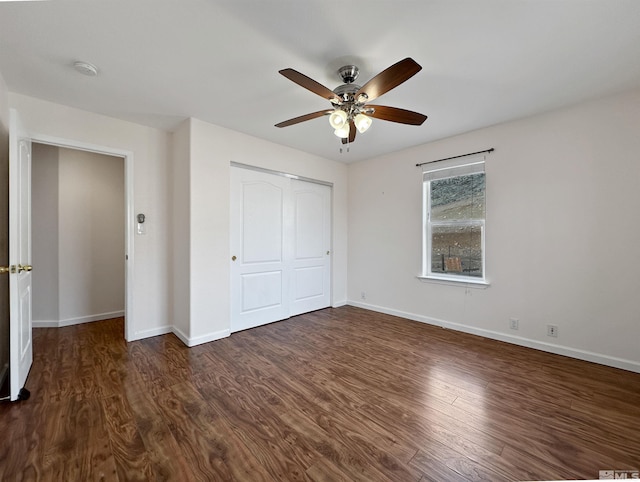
x=346, y=91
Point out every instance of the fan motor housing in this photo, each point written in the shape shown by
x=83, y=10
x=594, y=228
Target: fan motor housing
x=347, y=91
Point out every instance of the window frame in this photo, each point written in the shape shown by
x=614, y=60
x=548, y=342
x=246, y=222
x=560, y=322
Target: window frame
x=452, y=168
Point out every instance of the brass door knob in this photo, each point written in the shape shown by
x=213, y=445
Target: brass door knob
x=5, y=269
x=26, y=267
x=233, y=258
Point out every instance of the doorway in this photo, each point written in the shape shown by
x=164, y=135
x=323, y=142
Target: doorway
x=126, y=220
x=78, y=241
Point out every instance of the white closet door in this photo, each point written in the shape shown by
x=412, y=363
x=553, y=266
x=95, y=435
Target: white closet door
x=259, y=272
x=280, y=247
x=311, y=264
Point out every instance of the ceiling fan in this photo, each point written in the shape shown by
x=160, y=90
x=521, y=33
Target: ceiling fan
x=350, y=111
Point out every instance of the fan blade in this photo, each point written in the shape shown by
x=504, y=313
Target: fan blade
x=394, y=114
x=310, y=84
x=303, y=118
x=390, y=78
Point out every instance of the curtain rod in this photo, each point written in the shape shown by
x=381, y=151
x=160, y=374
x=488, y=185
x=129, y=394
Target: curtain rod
x=455, y=157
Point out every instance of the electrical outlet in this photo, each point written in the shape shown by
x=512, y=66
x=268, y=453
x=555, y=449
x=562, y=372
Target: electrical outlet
x=514, y=323
x=552, y=330
x=363, y=295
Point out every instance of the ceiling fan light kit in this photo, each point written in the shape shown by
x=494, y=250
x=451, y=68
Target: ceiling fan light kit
x=342, y=132
x=350, y=112
x=362, y=122
x=338, y=119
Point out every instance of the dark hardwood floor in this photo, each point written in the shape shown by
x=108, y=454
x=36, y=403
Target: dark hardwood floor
x=338, y=394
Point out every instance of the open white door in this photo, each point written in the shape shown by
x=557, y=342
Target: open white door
x=20, y=349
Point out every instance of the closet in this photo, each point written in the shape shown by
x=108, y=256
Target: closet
x=280, y=247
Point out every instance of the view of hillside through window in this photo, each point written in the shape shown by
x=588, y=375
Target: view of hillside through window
x=457, y=221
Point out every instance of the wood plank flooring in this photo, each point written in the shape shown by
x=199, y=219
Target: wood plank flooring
x=338, y=394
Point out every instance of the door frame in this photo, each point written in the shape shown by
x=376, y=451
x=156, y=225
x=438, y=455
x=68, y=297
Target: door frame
x=129, y=322
x=288, y=175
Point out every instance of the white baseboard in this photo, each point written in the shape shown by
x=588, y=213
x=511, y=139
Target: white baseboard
x=76, y=321
x=141, y=335
x=138, y=335
x=45, y=323
x=338, y=304
x=199, y=340
x=599, y=358
x=180, y=334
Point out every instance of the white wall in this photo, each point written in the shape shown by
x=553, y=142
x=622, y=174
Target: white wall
x=91, y=236
x=211, y=150
x=44, y=233
x=180, y=216
x=561, y=233
x=151, y=159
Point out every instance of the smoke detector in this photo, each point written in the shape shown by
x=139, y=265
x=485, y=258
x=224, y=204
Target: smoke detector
x=85, y=68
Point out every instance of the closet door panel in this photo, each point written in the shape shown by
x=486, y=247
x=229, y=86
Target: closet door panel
x=259, y=270
x=311, y=263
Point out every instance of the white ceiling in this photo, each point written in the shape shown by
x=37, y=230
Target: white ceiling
x=160, y=61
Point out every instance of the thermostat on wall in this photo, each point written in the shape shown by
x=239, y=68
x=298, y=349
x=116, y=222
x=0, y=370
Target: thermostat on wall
x=141, y=226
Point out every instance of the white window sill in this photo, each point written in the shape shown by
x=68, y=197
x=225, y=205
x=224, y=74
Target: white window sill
x=467, y=282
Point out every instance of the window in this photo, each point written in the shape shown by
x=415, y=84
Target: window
x=454, y=217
